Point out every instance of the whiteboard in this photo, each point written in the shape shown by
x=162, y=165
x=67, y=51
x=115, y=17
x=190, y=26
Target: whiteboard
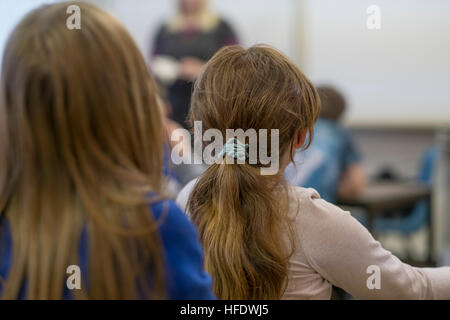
x=399, y=74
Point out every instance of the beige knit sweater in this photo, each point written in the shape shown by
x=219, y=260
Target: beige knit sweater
x=332, y=247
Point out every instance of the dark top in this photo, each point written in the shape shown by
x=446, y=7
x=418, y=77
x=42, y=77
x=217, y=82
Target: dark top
x=190, y=43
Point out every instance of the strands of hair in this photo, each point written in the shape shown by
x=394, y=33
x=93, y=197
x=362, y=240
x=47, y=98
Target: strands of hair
x=332, y=101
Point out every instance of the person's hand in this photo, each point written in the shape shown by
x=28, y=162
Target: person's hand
x=190, y=68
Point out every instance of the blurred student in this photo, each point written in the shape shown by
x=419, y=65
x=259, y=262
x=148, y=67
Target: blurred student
x=175, y=175
x=332, y=165
x=182, y=46
x=81, y=168
x=262, y=238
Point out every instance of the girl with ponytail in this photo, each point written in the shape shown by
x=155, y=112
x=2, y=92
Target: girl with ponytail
x=262, y=238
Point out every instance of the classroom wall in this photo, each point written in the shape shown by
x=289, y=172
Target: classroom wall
x=397, y=75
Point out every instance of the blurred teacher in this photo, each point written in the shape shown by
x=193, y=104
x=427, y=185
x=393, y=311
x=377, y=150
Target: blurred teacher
x=182, y=46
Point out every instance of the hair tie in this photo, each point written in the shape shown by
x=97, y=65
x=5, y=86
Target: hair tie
x=234, y=148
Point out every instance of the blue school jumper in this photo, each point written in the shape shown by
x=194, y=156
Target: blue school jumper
x=185, y=277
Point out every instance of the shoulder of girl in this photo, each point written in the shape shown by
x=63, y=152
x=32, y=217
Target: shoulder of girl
x=304, y=193
x=313, y=204
x=169, y=213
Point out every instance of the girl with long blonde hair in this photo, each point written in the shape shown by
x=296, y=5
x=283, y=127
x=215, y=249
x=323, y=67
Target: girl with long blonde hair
x=81, y=168
x=262, y=238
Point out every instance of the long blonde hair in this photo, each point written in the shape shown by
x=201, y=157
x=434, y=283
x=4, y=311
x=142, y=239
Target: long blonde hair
x=80, y=156
x=242, y=215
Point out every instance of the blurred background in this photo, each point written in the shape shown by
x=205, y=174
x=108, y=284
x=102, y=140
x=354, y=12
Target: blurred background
x=395, y=81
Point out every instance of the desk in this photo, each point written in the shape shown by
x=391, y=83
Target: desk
x=378, y=197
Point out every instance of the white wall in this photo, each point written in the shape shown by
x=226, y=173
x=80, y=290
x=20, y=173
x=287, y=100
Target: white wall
x=262, y=21
x=399, y=74
x=141, y=17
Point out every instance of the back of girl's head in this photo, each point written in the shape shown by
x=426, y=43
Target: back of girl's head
x=81, y=150
x=257, y=88
x=239, y=212
x=333, y=103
